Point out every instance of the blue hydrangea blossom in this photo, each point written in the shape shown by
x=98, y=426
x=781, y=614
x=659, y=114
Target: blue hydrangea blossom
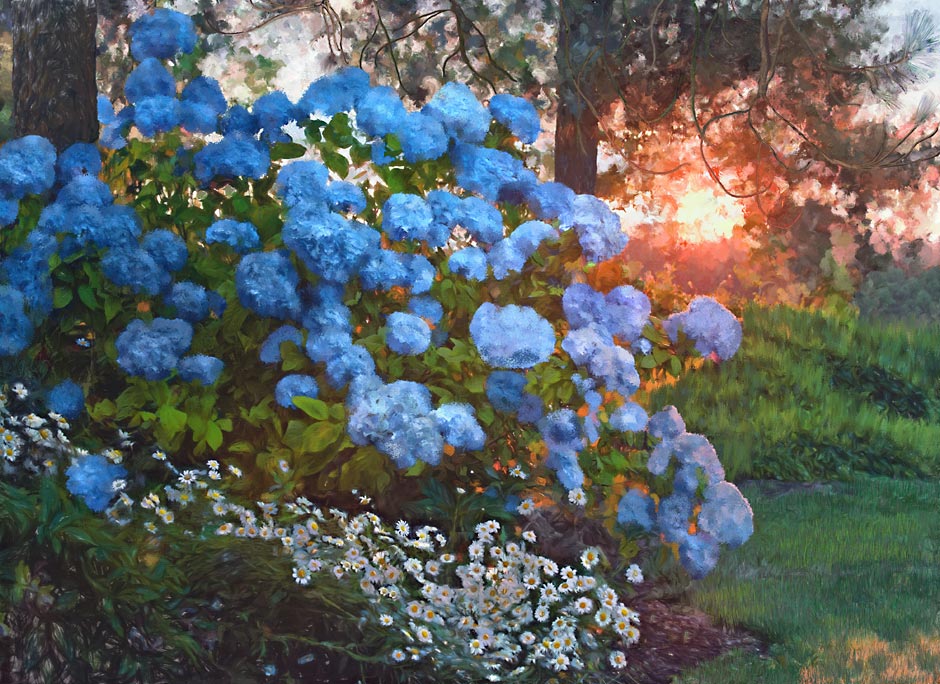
x=152, y=351
x=91, y=478
x=78, y=159
x=190, y=300
x=271, y=348
x=338, y=92
x=710, y=325
x=149, y=79
x=460, y=113
x=636, y=508
x=237, y=154
x=296, y=385
x=469, y=262
x=266, y=283
x=504, y=389
x=726, y=515
x=67, y=398
x=459, y=426
x=631, y=417
x=407, y=334
x=200, y=368
x=166, y=248
x=27, y=167
x=241, y=236
x=511, y=336
x=597, y=226
x=162, y=34
x=518, y=115
x=406, y=217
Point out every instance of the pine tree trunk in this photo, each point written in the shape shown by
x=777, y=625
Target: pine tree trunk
x=54, y=88
x=582, y=30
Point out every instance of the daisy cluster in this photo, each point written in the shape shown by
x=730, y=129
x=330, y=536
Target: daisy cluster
x=39, y=444
x=35, y=443
x=191, y=488
x=498, y=608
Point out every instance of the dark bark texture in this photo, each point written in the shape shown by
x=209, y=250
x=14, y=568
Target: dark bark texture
x=54, y=88
x=584, y=26
x=576, y=138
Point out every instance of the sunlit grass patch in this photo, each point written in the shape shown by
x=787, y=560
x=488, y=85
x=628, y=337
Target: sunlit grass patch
x=843, y=581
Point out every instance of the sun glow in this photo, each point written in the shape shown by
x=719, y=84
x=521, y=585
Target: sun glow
x=706, y=216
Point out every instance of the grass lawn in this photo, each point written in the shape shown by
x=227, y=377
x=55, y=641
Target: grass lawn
x=843, y=582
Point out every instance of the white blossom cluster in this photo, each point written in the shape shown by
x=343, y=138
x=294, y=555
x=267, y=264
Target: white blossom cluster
x=498, y=609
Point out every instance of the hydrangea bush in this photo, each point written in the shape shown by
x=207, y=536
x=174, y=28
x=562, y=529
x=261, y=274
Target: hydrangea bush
x=394, y=301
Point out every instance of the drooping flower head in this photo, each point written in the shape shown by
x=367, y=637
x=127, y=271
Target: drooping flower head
x=16, y=331
x=713, y=328
x=518, y=115
x=291, y=386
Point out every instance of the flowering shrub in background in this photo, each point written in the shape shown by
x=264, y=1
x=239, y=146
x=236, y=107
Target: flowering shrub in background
x=391, y=304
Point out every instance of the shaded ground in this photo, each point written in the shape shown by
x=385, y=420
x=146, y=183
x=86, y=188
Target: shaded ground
x=676, y=638
x=673, y=637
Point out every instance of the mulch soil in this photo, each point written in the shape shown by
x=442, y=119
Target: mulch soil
x=675, y=638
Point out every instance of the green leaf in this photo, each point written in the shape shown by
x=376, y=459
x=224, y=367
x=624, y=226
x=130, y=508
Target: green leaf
x=171, y=419
x=112, y=306
x=213, y=436
x=294, y=435
x=87, y=295
x=336, y=163
x=315, y=408
x=101, y=410
x=366, y=470
x=660, y=355
x=319, y=436
x=646, y=362
x=360, y=153
x=287, y=150
x=291, y=357
x=416, y=469
x=197, y=424
x=61, y=297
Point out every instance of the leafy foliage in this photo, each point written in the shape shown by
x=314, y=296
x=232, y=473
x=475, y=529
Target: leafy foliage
x=827, y=397
x=895, y=296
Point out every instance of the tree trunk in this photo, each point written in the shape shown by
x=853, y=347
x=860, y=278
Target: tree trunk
x=583, y=28
x=54, y=88
x=576, y=138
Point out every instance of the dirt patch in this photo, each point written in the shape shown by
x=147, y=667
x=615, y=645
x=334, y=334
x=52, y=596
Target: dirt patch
x=675, y=638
